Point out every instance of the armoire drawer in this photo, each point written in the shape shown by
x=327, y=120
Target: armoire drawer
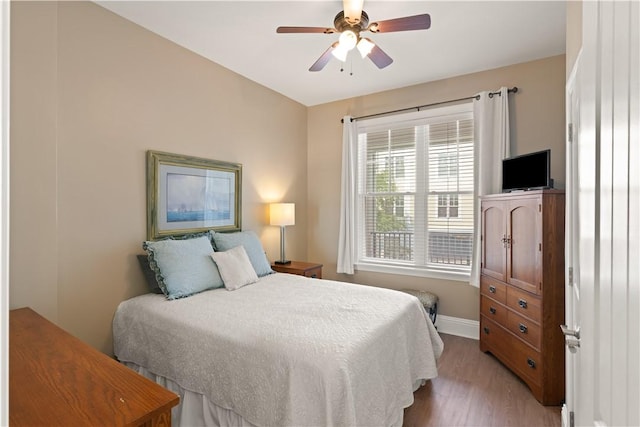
x=493, y=310
x=493, y=288
x=520, y=357
x=524, y=328
x=524, y=303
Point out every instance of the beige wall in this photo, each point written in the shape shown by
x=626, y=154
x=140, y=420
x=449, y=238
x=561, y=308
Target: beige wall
x=90, y=93
x=574, y=32
x=537, y=122
x=33, y=233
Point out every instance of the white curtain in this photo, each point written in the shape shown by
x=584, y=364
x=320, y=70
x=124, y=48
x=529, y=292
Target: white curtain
x=491, y=124
x=346, y=238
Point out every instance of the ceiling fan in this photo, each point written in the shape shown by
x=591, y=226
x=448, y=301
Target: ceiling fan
x=350, y=22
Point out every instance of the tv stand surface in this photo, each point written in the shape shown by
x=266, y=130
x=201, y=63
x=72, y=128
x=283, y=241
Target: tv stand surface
x=522, y=190
x=519, y=190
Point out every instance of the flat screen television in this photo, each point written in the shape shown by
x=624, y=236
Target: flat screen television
x=530, y=171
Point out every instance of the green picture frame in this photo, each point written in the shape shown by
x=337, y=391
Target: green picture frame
x=187, y=195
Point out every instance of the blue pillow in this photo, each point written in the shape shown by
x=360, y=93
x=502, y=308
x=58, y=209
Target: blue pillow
x=149, y=274
x=183, y=267
x=252, y=245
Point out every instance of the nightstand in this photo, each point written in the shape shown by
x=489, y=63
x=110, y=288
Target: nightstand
x=308, y=269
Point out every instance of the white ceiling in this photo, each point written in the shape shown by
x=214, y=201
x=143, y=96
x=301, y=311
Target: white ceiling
x=465, y=37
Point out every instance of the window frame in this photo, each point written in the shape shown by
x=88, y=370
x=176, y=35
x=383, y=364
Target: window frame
x=433, y=115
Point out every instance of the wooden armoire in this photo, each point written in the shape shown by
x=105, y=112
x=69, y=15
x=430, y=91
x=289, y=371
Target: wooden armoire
x=522, y=287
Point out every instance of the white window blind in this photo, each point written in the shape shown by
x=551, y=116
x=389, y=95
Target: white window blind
x=415, y=190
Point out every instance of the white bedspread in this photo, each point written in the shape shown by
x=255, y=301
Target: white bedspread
x=287, y=350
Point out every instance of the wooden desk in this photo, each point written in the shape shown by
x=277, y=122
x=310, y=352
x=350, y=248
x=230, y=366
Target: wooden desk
x=57, y=380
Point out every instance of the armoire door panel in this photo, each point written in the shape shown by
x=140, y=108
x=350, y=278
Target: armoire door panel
x=493, y=241
x=523, y=254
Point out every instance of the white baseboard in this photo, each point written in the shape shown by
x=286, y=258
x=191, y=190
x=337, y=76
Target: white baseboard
x=457, y=326
x=564, y=414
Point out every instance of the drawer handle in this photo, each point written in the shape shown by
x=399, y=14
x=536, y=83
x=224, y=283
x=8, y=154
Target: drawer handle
x=522, y=303
x=492, y=289
x=531, y=363
x=523, y=328
x=492, y=310
x=486, y=330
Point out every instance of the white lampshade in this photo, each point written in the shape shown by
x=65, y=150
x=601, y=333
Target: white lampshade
x=364, y=46
x=282, y=214
x=348, y=39
x=340, y=53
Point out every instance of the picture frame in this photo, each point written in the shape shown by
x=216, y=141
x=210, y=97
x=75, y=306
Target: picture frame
x=187, y=195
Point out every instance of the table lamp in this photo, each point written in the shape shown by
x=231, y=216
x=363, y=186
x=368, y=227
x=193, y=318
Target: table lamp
x=282, y=214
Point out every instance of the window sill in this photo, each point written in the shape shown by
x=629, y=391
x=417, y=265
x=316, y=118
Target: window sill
x=458, y=276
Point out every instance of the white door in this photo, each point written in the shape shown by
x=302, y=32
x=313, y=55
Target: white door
x=572, y=254
x=603, y=387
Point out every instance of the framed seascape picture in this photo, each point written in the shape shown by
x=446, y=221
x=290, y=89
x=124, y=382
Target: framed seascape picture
x=190, y=194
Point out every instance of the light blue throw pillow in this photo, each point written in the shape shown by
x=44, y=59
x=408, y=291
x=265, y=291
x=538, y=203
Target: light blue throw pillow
x=183, y=267
x=252, y=245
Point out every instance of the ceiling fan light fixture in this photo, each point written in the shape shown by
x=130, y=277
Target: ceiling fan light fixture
x=348, y=40
x=364, y=46
x=340, y=53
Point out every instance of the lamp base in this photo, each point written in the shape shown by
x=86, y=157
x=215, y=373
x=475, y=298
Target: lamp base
x=282, y=262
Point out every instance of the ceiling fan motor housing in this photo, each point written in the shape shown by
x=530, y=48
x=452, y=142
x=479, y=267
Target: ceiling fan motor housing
x=341, y=24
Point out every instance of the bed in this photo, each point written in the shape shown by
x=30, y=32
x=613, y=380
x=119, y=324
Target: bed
x=284, y=351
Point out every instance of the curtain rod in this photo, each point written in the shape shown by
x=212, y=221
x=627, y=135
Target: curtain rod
x=511, y=90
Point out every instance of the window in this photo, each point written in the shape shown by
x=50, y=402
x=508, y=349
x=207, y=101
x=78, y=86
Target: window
x=415, y=191
x=447, y=165
x=447, y=205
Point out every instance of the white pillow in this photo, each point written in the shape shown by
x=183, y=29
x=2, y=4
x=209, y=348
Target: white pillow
x=251, y=243
x=235, y=268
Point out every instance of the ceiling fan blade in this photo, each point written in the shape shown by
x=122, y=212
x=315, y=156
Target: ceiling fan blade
x=352, y=10
x=324, y=59
x=324, y=30
x=379, y=57
x=408, y=23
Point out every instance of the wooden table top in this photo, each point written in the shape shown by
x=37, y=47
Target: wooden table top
x=57, y=380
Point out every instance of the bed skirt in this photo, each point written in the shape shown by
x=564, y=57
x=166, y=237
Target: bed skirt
x=196, y=409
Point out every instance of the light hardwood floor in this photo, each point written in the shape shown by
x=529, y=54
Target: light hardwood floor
x=475, y=389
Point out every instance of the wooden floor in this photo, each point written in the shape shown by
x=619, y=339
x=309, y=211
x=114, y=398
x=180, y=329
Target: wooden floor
x=475, y=389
